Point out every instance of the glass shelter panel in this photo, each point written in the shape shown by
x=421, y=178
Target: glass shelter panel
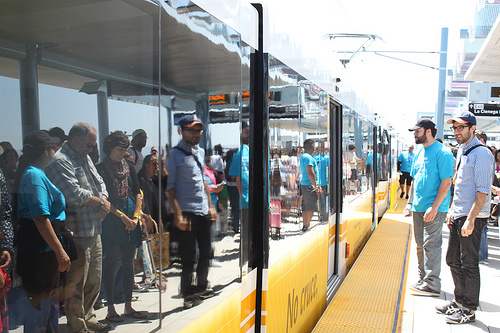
x=299, y=158
x=111, y=80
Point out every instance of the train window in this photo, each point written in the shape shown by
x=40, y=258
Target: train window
x=298, y=137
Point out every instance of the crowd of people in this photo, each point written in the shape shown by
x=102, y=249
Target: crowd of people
x=78, y=221
x=451, y=185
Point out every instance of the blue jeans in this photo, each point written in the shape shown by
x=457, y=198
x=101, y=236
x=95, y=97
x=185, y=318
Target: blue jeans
x=483, y=250
x=463, y=259
x=428, y=236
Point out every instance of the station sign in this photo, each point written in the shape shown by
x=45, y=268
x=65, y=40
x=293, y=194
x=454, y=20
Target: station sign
x=485, y=109
x=484, y=92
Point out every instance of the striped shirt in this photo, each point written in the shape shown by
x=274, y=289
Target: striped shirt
x=78, y=180
x=474, y=175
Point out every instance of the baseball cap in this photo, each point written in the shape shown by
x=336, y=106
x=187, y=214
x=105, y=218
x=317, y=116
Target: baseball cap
x=189, y=121
x=462, y=117
x=423, y=122
x=137, y=132
x=37, y=141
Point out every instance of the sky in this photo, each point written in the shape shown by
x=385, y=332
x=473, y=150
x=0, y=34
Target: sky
x=394, y=89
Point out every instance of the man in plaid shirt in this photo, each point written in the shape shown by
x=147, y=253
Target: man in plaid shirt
x=73, y=172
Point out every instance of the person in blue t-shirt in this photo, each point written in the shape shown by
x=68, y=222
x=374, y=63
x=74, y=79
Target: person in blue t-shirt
x=404, y=167
x=309, y=185
x=323, y=161
x=429, y=201
x=41, y=259
x=240, y=168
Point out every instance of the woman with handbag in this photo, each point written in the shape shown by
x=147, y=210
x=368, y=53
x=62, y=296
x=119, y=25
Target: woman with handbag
x=44, y=249
x=121, y=233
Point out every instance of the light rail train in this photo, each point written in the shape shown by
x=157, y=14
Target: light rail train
x=128, y=64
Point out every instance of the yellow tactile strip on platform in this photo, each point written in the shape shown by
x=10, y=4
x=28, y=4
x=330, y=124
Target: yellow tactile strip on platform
x=368, y=299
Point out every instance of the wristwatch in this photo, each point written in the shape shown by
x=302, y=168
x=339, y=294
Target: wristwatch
x=101, y=202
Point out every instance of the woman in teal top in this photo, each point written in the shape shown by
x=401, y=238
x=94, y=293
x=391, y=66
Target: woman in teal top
x=42, y=260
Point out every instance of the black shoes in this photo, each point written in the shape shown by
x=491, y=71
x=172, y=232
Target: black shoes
x=402, y=195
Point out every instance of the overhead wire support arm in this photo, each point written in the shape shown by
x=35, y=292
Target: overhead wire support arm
x=370, y=38
x=407, y=61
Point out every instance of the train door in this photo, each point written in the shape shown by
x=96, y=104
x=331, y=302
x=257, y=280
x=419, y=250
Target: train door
x=334, y=190
x=375, y=163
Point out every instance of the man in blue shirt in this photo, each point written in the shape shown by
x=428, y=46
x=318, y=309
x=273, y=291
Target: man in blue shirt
x=323, y=162
x=309, y=186
x=404, y=166
x=468, y=215
x=194, y=213
x=429, y=200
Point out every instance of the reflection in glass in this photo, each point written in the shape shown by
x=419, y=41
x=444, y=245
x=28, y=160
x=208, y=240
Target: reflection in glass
x=111, y=82
x=298, y=112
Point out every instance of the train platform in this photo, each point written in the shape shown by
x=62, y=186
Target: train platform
x=375, y=296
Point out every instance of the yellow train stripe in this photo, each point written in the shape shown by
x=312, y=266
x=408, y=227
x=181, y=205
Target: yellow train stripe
x=248, y=297
x=249, y=324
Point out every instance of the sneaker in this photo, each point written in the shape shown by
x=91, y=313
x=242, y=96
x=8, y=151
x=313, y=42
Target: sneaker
x=415, y=286
x=448, y=309
x=402, y=195
x=207, y=293
x=191, y=301
x=100, y=327
x=407, y=197
x=462, y=316
x=425, y=291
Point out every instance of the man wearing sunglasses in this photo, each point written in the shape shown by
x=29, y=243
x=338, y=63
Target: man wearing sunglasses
x=467, y=217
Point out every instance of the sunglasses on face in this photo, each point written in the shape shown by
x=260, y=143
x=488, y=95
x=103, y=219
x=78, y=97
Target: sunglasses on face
x=194, y=131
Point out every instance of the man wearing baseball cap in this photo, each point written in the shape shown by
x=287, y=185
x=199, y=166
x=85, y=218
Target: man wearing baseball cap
x=431, y=170
x=139, y=140
x=467, y=217
x=193, y=210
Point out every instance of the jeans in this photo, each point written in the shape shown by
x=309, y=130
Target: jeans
x=428, y=236
x=198, y=235
x=323, y=212
x=126, y=253
x=463, y=259
x=483, y=250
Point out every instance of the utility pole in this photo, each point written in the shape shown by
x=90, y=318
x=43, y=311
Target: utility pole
x=442, y=83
